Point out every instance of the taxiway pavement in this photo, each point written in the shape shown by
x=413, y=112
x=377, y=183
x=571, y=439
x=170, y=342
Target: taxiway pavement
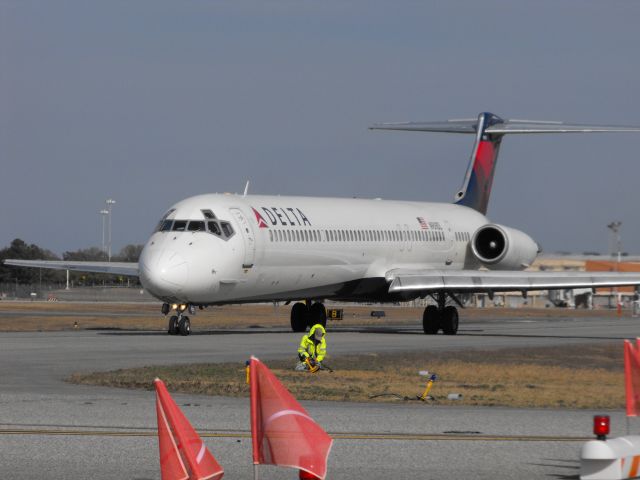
x=59, y=431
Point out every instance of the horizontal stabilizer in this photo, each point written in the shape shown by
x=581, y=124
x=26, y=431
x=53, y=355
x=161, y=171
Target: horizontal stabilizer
x=479, y=281
x=503, y=127
x=450, y=126
x=115, y=268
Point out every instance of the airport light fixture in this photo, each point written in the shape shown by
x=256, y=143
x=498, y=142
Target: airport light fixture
x=615, y=230
x=104, y=214
x=110, y=203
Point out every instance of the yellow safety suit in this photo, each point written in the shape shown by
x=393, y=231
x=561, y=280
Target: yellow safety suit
x=312, y=348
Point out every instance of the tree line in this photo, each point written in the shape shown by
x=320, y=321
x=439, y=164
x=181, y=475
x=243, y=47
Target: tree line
x=19, y=249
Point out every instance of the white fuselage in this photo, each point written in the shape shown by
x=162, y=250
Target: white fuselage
x=289, y=248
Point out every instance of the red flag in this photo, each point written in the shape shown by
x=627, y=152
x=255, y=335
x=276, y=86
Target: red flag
x=183, y=455
x=282, y=431
x=632, y=377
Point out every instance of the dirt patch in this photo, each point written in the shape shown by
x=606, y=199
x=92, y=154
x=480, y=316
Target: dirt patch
x=579, y=376
x=55, y=316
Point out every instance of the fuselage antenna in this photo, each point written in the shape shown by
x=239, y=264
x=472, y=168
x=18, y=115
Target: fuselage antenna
x=246, y=189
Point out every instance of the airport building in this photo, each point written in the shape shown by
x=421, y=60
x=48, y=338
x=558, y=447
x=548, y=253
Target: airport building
x=576, y=298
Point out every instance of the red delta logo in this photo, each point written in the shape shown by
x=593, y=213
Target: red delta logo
x=259, y=219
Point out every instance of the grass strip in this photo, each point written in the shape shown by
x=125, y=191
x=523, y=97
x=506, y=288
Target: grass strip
x=586, y=376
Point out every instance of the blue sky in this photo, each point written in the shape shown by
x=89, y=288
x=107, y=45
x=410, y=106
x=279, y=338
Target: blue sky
x=149, y=102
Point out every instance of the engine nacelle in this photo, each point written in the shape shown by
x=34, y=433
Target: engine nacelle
x=503, y=248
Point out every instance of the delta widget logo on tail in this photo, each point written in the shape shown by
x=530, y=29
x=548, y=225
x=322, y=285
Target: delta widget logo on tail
x=281, y=216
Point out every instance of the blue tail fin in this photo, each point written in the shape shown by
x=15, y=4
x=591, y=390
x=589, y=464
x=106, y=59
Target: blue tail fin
x=476, y=188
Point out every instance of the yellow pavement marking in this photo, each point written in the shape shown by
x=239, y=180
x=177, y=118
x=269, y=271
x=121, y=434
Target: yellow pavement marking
x=337, y=436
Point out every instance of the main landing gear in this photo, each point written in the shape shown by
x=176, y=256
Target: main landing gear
x=307, y=314
x=442, y=317
x=179, y=324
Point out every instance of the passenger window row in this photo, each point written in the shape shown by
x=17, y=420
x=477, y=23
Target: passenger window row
x=290, y=235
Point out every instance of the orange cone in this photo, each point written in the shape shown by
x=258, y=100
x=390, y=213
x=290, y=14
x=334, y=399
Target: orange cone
x=282, y=431
x=183, y=455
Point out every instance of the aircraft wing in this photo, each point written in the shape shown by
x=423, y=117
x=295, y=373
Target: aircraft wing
x=116, y=268
x=479, y=281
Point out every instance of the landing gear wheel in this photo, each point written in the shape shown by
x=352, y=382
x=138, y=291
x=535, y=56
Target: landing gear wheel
x=299, y=317
x=450, y=320
x=184, y=326
x=431, y=320
x=317, y=314
x=173, y=325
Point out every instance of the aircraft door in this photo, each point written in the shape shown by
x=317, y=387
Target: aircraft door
x=409, y=240
x=450, y=244
x=401, y=237
x=448, y=235
x=246, y=232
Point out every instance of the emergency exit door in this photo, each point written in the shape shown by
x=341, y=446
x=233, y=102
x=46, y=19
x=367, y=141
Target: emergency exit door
x=246, y=232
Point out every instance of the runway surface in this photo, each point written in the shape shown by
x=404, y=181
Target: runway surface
x=61, y=431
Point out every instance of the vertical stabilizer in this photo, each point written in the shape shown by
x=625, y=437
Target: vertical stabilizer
x=476, y=188
x=489, y=130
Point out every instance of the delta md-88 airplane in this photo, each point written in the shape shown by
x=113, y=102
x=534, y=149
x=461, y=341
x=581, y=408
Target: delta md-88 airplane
x=221, y=249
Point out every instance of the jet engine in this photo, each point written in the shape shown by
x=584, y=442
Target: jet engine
x=503, y=248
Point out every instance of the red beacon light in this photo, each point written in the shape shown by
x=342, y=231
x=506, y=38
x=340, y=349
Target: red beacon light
x=601, y=426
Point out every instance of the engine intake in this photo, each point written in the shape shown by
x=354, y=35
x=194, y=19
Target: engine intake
x=503, y=248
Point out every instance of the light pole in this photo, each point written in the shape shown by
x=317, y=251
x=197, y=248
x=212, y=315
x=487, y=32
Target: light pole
x=104, y=214
x=110, y=203
x=615, y=232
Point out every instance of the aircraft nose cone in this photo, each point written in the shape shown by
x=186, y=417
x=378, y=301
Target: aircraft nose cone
x=164, y=272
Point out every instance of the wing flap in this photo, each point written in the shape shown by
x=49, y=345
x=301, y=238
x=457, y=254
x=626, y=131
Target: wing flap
x=116, y=268
x=493, y=281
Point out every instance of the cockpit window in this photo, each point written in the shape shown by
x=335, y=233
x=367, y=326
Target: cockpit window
x=196, y=226
x=214, y=228
x=179, y=225
x=221, y=229
x=227, y=229
x=165, y=226
x=162, y=221
x=208, y=214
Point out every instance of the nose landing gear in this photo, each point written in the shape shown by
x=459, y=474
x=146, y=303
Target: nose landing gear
x=179, y=324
